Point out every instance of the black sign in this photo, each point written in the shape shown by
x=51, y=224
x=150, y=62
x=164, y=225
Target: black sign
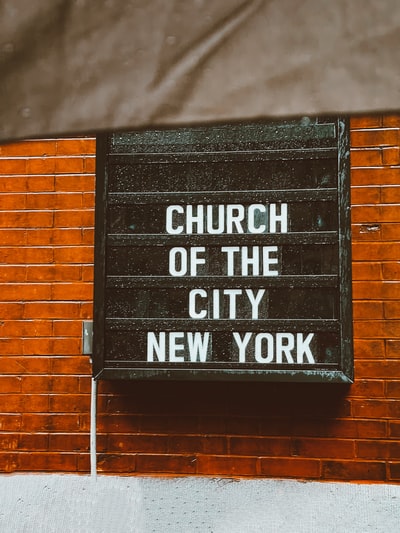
x=224, y=253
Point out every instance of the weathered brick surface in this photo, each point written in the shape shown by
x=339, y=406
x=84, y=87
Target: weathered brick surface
x=236, y=429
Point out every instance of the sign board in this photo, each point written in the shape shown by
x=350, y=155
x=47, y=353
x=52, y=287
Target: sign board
x=224, y=253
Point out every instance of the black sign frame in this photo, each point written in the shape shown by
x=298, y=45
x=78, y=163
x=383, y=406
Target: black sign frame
x=310, y=141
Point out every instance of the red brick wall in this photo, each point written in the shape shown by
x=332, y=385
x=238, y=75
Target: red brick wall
x=314, y=431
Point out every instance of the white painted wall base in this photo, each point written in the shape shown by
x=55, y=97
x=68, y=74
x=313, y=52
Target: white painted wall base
x=109, y=504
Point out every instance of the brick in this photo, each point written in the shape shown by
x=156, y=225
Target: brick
x=39, y=346
x=40, y=183
x=390, y=195
x=52, y=310
x=10, y=422
x=376, y=329
x=365, y=195
x=26, y=328
x=85, y=384
x=168, y=464
x=205, y=444
x=367, y=271
x=86, y=311
x=71, y=219
x=391, y=271
x=290, y=468
x=39, y=237
x=10, y=384
x=392, y=348
x=18, y=255
x=375, y=137
x=8, y=441
x=26, y=219
x=368, y=388
x=69, y=200
x=391, y=156
x=112, y=463
x=138, y=443
x=43, y=384
x=41, y=201
x=24, y=291
x=90, y=164
x=118, y=423
x=50, y=422
x=366, y=232
x=375, y=176
x=41, y=165
x=24, y=365
x=385, y=290
x=75, y=365
x=66, y=328
x=354, y=470
x=391, y=120
x=378, y=450
x=366, y=408
x=224, y=465
x=12, y=273
x=8, y=462
x=323, y=448
x=14, y=184
x=9, y=202
x=373, y=121
x=47, y=462
x=394, y=471
x=12, y=311
x=385, y=251
x=33, y=442
x=367, y=309
x=72, y=254
x=69, y=403
x=13, y=166
x=72, y=291
x=40, y=273
x=67, y=346
x=76, y=146
x=67, y=236
x=19, y=403
x=393, y=389
x=69, y=165
x=394, y=429
x=376, y=213
x=259, y=446
x=366, y=157
x=29, y=148
x=75, y=183
x=377, y=369
x=88, y=200
x=73, y=442
x=369, y=349
x=394, y=408
x=10, y=347
x=390, y=232
x=392, y=309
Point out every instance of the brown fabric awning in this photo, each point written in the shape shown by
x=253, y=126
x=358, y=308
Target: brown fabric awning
x=77, y=66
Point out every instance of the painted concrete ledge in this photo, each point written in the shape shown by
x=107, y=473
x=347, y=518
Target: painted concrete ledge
x=69, y=503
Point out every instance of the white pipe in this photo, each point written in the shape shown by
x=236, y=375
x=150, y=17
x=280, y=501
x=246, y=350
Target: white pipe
x=93, y=416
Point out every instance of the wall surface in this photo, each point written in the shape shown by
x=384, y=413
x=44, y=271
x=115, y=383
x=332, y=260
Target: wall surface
x=311, y=431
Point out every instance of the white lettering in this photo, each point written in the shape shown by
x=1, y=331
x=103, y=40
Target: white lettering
x=303, y=348
x=193, y=313
x=169, y=219
x=255, y=301
x=198, y=346
x=241, y=344
x=155, y=347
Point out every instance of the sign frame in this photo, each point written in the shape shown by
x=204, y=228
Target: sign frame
x=303, y=132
